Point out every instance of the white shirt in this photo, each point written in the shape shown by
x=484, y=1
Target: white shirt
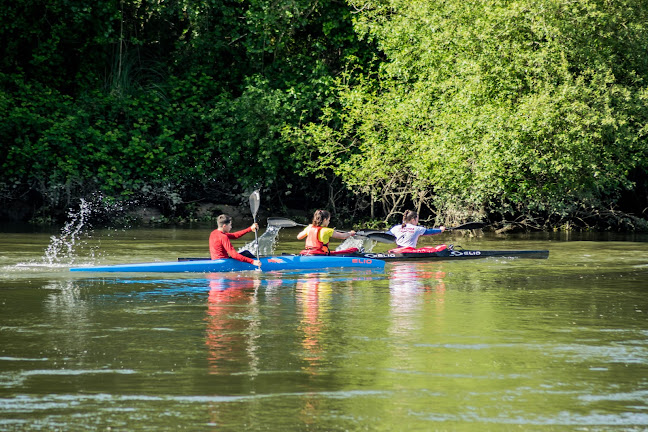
x=408, y=236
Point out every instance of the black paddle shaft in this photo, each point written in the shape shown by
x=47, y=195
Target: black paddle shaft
x=468, y=226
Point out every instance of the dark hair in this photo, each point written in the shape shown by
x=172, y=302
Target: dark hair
x=408, y=216
x=223, y=220
x=320, y=216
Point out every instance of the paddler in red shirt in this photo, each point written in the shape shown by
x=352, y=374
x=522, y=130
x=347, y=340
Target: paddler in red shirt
x=219, y=241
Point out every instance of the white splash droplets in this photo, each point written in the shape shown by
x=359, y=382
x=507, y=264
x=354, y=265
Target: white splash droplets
x=63, y=246
x=267, y=242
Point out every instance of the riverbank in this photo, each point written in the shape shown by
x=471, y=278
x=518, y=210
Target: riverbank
x=103, y=213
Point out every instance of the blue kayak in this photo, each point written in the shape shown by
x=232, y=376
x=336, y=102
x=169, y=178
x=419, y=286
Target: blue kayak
x=273, y=263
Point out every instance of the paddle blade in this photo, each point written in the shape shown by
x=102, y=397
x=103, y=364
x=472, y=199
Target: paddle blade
x=367, y=232
x=468, y=226
x=382, y=237
x=255, y=201
x=282, y=222
x=379, y=236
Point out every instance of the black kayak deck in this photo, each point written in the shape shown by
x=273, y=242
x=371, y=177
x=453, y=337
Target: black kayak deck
x=448, y=254
x=452, y=254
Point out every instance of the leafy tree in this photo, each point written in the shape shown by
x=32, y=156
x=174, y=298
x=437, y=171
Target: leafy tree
x=511, y=108
x=169, y=101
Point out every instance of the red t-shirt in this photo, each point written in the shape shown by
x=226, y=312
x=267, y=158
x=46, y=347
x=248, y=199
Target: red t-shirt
x=220, y=246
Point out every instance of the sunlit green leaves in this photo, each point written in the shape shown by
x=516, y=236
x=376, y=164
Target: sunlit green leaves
x=508, y=107
x=505, y=106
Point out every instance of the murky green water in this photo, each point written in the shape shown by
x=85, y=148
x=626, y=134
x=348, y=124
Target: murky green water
x=496, y=344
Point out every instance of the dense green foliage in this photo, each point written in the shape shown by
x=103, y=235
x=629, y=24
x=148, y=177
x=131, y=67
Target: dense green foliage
x=534, y=110
x=167, y=102
x=507, y=110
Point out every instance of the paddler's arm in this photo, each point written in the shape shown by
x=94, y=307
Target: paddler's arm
x=237, y=234
x=343, y=235
x=304, y=233
x=433, y=231
x=235, y=255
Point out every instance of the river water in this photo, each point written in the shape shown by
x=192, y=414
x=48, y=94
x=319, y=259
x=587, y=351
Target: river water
x=492, y=344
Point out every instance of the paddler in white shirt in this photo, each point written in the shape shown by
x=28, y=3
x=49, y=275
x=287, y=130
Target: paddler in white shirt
x=409, y=231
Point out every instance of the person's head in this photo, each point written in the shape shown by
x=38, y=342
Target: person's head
x=320, y=217
x=224, y=220
x=410, y=217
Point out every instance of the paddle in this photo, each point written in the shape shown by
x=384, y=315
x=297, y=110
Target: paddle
x=283, y=222
x=373, y=235
x=380, y=236
x=468, y=226
x=255, y=201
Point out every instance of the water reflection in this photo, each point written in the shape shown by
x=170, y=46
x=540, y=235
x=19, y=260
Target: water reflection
x=313, y=297
x=412, y=286
x=488, y=344
x=495, y=344
x=417, y=277
x=232, y=323
x=313, y=292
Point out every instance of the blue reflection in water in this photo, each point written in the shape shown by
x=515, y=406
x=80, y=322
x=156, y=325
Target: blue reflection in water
x=223, y=282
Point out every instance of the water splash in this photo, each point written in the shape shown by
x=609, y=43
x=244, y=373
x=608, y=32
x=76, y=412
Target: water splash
x=267, y=242
x=361, y=243
x=64, y=245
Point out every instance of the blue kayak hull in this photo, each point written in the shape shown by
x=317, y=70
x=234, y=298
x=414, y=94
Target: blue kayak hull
x=276, y=263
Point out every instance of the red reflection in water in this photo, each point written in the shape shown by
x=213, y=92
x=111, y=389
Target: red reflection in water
x=226, y=334
x=311, y=293
x=313, y=296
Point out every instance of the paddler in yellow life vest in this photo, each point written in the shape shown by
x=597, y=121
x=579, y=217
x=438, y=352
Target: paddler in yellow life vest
x=318, y=234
